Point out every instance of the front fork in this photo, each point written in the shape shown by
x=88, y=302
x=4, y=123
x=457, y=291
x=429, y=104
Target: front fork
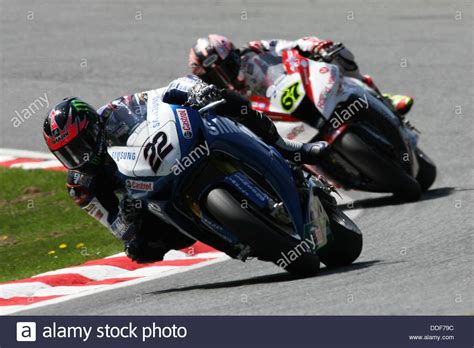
x=311, y=191
x=317, y=229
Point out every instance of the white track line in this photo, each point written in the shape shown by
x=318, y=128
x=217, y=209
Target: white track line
x=26, y=154
x=68, y=290
x=21, y=289
x=38, y=165
x=150, y=271
x=11, y=309
x=14, y=309
x=94, y=272
x=4, y=158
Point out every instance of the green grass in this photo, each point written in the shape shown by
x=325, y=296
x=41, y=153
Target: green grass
x=36, y=216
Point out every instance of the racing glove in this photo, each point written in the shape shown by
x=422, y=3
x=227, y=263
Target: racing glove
x=130, y=208
x=320, y=48
x=128, y=220
x=202, y=94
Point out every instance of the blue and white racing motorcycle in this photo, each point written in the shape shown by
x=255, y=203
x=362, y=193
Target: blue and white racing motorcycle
x=217, y=182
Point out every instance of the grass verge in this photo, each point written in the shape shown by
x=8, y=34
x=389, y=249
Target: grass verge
x=41, y=229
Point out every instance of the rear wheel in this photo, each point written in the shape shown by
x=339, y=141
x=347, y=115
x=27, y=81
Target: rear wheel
x=347, y=240
x=389, y=176
x=266, y=243
x=427, y=172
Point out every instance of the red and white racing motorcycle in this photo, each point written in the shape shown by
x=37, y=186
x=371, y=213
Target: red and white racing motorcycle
x=371, y=147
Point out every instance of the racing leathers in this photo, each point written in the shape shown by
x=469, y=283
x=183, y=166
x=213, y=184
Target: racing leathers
x=96, y=188
x=310, y=47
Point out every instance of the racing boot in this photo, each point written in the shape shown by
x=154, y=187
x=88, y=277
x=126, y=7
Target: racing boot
x=400, y=103
x=142, y=251
x=300, y=153
x=154, y=239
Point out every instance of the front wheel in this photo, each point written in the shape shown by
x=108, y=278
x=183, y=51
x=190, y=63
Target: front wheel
x=427, y=172
x=347, y=240
x=265, y=242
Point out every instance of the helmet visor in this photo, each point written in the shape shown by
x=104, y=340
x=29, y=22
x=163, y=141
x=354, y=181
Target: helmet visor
x=217, y=76
x=80, y=151
x=224, y=73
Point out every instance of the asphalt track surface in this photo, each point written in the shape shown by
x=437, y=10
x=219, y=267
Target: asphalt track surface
x=417, y=257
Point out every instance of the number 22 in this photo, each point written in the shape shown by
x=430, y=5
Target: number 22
x=157, y=149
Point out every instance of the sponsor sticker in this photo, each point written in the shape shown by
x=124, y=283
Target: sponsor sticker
x=209, y=60
x=94, y=210
x=98, y=215
x=89, y=208
x=295, y=131
x=155, y=123
x=139, y=185
x=81, y=179
x=119, y=227
x=290, y=96
x=185, y=123
x=123, y=156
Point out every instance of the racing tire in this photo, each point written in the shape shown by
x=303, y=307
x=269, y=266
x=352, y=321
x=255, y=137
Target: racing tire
x=389, y=176
x=266, y=243
x=347, y=241
x=427, y=171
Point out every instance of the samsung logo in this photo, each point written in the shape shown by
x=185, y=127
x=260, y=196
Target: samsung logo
x=221, y=126
x=123, y=156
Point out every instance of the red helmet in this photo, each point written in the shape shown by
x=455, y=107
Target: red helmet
x=215, y=60
x=72, y=132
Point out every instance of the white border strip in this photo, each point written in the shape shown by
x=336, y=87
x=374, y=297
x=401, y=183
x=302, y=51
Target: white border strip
x=26, y=154
x=14, y=309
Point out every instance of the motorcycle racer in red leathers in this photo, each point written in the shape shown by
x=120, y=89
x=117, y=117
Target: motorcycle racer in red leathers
x=216, y=60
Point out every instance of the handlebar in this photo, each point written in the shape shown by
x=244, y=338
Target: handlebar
x=328, y=55
x=211, y=106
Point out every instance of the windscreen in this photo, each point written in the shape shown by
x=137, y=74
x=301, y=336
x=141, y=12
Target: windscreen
x=122, y=120
x=263, y=71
